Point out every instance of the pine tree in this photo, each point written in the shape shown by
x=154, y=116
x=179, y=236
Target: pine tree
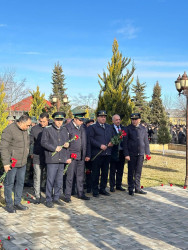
x=141, y=105
x=164, y=136
x=157, y=108
x=38, y=103
x=3, y=108
x=114, y=94
x=58, y=82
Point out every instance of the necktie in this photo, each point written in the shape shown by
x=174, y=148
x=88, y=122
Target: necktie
x=102, y=125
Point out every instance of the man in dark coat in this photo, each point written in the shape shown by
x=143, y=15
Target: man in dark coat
x=55, y=139
x=117, y=158
x=135, y=145
x=100, y=135
x=15, y=144
x=77, y=167
x=38, y=153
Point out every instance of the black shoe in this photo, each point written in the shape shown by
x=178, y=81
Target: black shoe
x=10, y=209
x=131, y=193
x=43, y=189
x=58, y=202
x=140, y=191
x=104, y=192
x=37, y=201
x=95, y=195
x=120, y=188
x=84, y=197
x=20, y=207
x=49, y=204
x=112, y=189
x=67, y=200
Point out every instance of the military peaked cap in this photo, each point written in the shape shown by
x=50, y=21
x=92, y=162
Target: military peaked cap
x=135, y=116
x=58, y=115
x=101, y=113
x=80, y=115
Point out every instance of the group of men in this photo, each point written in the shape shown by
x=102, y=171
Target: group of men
x=77, y=146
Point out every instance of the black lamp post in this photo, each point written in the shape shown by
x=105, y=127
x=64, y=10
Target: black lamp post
x=182, y=87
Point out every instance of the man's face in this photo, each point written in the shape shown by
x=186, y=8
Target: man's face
x=25, y=125
x=101, y=119
x=78, y=122
x=135, y=122
x=43, y=122
x=58, y=122
x=116, y=120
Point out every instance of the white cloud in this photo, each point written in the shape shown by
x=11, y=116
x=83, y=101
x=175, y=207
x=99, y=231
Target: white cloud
x=30, y=53
x=3, y=25
x=128, y=30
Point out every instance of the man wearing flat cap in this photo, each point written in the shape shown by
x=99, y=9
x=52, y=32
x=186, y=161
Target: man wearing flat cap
x=135, y=146
x=78, y=147
x=99, y=136
x=54, y=139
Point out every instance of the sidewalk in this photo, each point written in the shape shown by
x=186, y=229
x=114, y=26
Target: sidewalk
x=158, y=220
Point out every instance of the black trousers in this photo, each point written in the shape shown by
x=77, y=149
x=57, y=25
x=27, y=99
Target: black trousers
x=134, y=172
x=75, y=168
x=116, y=170
x=101, y=163
x=88, y=165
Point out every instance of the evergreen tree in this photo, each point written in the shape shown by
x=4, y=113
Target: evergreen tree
x=157, y=108
x=114, y=94
x=3, y=108
x=38, y=103
x=164, y=136
x=141, y=105
x=58, y=82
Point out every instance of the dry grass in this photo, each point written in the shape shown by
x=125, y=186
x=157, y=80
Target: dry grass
x=170, y=168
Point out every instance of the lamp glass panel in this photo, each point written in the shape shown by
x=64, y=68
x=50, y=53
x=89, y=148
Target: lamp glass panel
x=178, y=85
x=182, y=82
x=54, y=99
x=186, y=83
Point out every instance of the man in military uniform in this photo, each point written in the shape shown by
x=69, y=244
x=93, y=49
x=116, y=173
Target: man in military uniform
x=117, y=158
x=100, y=135
x=135, y=145
x=37, y=153
x=78, y=147
x=55, y=139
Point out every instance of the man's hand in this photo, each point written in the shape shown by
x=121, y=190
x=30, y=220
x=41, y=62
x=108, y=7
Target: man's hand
x=68, y=161
x=110, y=144
x=87, y=159
x=7, y=168
x=58, y=148
x=103, y=147
x=66, y=145
x=127, y=158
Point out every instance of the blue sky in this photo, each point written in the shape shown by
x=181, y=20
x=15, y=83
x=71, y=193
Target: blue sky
x=34, y=35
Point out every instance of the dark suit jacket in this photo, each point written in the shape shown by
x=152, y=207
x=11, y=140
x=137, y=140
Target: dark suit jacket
x=115, y=148
x=98, y=136
x=136, y=141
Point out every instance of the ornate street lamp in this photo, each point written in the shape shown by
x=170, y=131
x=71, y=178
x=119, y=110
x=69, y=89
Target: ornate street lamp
x=182, y=87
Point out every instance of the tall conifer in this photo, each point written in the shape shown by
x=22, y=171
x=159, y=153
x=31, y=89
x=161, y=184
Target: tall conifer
x=114, y=94
x=38, y=103
x=3, y=108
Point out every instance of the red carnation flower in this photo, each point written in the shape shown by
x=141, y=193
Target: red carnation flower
x=162, y=185
x=124, y=133
x=1, y=186
x=14, y=161
x=73, y=156
x=185, y=187
x=28, y=202
x=121, y=137
x=76, y=137
x=8, y=238
x=148, y=157
x=171, y=184
x=142, y=187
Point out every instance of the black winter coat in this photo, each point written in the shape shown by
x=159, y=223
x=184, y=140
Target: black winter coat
x=136, y=141
x=51, y=138
x=116, y=148
x=35, y=141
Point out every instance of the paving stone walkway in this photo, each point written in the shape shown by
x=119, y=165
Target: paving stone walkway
x=158, y=220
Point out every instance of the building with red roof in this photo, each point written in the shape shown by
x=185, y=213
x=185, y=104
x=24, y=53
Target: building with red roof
x=23, y=106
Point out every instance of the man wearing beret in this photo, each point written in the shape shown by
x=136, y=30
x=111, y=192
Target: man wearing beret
x=100, y=135
x=135, y=145
x=54, y=139
x=78, y=147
